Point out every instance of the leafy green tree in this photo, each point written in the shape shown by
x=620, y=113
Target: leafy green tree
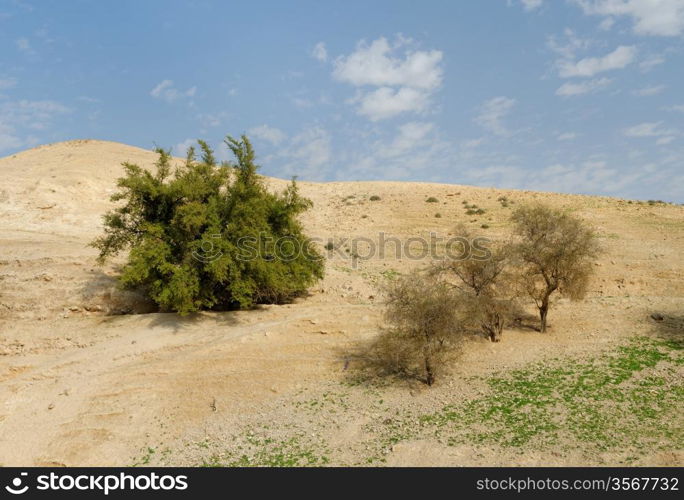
x=208, y=236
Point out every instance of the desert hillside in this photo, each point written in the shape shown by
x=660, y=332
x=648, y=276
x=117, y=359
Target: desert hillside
x=90, y=375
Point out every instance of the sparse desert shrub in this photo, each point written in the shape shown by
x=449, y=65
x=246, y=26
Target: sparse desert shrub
x=438, y=215
x=555, y=251
x=348, y=200
x=485, y=226
x=424, y=328
x=477, y=273
x=375, y=197
x=329, y=246
x=431, y=199
x=207, y=236
x=475, y=211
x=484, y=286
x=491, y=311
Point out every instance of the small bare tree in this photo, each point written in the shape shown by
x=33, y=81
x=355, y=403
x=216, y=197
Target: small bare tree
x=490, y=312
x=479, y=275
x=424, y=327
x=555, y=251
x=484, y=285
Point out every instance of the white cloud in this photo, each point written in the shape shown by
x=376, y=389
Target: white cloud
x=271, y=134
x=649, y=17
x=167, y=92
x=646, y=129
x=492, y=113
x=302, y=102
x=652, y=129
x=592, y=176
x=410, y=136
x=212, y=119
x=651, y=62
x=677, y=107
x=308, y=154
x=374, y=65
x=607, y=24
x=590, y=66
x=404, y=83
x=566, y=136
x=665, y=140
x=472, y=143
x=586, y=87
x=570, y=47
x=386, y=102
x=577, y=178
x=531, y=4
x=88, y=99
x=19, y=120
x=649, y=91
x=319, y=52
x=8, y=138
x=35, y=115
x=414, y=151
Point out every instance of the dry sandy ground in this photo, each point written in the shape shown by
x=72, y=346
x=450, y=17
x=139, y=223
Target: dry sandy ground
x=82, y=384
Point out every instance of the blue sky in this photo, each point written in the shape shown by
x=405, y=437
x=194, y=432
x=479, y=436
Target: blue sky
x=576, y=96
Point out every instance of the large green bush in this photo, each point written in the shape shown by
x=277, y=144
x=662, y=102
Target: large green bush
x=208, y=236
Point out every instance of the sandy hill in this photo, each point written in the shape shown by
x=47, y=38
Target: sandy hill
x=83, y=384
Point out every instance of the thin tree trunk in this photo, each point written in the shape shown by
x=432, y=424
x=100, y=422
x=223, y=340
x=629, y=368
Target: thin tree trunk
x=429, y=374
x=493, y=327
x=499, y=329
x=493, y=333
x=543, y=312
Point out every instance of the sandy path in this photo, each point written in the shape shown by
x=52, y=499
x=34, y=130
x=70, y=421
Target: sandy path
x=90, y=403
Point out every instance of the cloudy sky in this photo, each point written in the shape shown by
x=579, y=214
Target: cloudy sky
x=577, y=96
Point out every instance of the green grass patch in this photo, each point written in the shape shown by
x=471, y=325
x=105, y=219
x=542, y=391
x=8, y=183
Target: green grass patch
x=627, y=402
x=269, y=452
x=390, y=274
x=629, y=399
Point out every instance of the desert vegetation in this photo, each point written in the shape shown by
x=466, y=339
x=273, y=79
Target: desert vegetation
x=430, y=315
x=484, y=285
x=207, y=236
x=556, y=252
x=423, y=328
